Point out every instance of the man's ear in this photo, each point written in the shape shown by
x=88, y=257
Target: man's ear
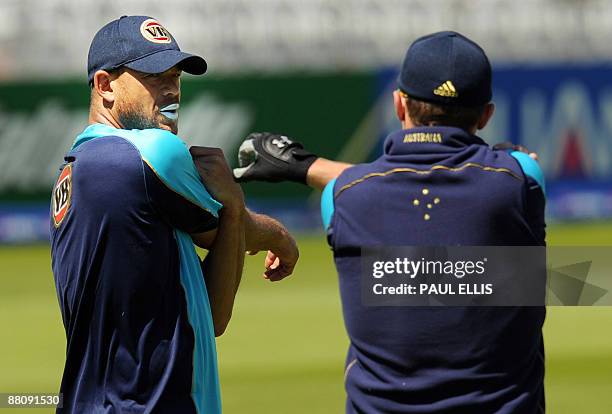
x=400, y=110
x=103, y=87
x=488, y=112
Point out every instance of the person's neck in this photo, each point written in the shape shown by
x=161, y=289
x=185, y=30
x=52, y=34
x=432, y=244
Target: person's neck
x=98, y=117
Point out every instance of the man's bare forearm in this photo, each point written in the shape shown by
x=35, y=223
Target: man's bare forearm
x=223, y=266
x=262, y=232
x=322, y=171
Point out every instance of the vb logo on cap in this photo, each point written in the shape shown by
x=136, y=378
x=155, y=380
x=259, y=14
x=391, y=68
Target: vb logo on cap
x=139, y=43
x=155, y=32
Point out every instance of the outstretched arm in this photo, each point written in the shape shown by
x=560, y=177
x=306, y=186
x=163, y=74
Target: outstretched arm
x=322, y=171
x=264, y=156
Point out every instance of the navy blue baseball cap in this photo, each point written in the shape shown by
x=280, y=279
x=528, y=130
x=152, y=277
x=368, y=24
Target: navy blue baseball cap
x=140, y=43
x=446, y=68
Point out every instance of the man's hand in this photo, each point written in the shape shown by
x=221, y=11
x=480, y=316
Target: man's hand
x=217, y=177
x=507, y=145
x=264, y=156
x=279, y=267
x=265, y=233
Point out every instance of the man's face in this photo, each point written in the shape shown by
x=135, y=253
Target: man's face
x=145, y=100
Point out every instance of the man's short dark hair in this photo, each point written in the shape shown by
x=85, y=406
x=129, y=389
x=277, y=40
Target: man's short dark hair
x=424, y=113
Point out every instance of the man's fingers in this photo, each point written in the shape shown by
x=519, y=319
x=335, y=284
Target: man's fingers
x=208, y=159
x=532, y=155
x=278, y=272
x=270, y=259
x=507, y=145
x=520, y=148
x=276, y=268
x=196, y=151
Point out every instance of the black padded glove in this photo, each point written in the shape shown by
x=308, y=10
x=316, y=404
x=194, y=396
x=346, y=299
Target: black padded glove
x=264, y=156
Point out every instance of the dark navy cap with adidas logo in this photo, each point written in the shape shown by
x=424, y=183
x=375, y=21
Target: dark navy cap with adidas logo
x=446, y=68
x=140, y=43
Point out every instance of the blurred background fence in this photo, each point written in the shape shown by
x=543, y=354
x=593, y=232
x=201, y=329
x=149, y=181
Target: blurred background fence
x=50, y=38
x=321, y=71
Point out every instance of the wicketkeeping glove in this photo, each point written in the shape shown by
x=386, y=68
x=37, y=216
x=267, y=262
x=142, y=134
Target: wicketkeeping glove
x=264, y=156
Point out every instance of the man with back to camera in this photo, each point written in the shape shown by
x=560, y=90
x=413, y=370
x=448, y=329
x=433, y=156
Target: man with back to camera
x=428, y=360
x=140, y=310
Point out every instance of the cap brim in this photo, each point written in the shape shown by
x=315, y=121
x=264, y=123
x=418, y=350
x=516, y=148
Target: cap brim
x=165, y=59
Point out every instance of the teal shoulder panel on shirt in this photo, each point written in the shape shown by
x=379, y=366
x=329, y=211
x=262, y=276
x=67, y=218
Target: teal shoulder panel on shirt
x=167, y=155
x=530, y=167
x=327, y=203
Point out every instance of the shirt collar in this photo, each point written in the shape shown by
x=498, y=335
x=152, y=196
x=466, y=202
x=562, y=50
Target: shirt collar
x=96, y=131
x=429, y=139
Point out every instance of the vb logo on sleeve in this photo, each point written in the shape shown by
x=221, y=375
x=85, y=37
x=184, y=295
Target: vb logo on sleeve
x=62, y=192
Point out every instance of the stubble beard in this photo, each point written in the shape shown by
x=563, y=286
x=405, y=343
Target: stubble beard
x=134, y=117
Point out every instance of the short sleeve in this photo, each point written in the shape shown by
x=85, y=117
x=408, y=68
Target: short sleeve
x=173, y=185
x=535, y=194
x=327, y=204
x=530, y=168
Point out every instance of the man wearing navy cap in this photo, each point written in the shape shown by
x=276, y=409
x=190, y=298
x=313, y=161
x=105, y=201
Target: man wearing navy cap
x=436, y=184
x=140, y=310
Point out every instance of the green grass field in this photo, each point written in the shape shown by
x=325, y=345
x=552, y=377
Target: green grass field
x=284, y=349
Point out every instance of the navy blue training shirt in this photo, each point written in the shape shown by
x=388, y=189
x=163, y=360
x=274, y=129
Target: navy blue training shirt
x=443, y=359
x=132, y=295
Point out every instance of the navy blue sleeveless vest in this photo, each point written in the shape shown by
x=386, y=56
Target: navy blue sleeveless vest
x=444, y=359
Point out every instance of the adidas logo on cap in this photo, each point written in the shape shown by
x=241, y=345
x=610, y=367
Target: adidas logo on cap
x=446, y=89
